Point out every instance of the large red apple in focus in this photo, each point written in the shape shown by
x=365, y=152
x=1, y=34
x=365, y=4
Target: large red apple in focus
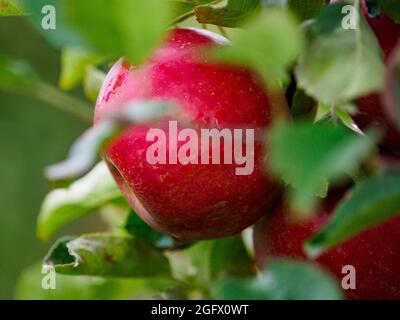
x=371, y=110
x=193, y=201
x=374, y=253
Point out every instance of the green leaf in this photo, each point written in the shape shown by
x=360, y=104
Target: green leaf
x=307, y=156
x=345, y=116
x=122, y=27
x=307, y=9
x=391, y=8
x=11, y=8
x=372, y=201
x=338, y=63
x=107, y=255
x=64, y=34
x=223, y=257
x=138, y=228
x=92, y=82
x=74, y=62
x=269, y=43
x=62, y=206
x=283, y=280
x=231, y=15
x=29, y=287
x=206, y=261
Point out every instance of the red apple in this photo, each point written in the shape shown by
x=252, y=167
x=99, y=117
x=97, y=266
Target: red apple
x=374, y=253
x=193, y=201
x=371, y=109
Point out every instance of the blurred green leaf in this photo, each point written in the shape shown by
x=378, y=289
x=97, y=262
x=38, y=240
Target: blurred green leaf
x=84, y=152
x=92, y=82
x=11, y=8
x=391, y=8
x=107, y=255
x=283, y=280
x=307, y=9
x=338, y=63
x=122, y=27
x=371, y=202
x=214, y=259
x=62, y=206
x=269, y=43
x=29, y=287
x=231, y=15
x=64, y=34
x=303, y=9
x=344, y=115
x=74, y=63
x=138, y=228
x=307, y=156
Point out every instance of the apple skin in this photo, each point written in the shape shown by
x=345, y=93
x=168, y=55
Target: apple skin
x=375, y=253
x=371, y=109
x=189, y=202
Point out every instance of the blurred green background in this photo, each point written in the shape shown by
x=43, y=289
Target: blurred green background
x=32, y=135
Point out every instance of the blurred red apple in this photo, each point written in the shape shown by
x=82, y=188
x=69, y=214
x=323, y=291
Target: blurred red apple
x=375, y=253
x=192, y=201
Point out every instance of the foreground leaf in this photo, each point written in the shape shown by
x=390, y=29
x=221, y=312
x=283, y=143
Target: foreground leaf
x=29, y=287
x=338, y=63
x=82, y=197
x=122, y=27
x=231, y=15
x=64, y=34
x=269, y=43
x=107, y=255
x=307, y=156
x=373, y=201
x=283, y=280
x=205, y=262
x=307, y=9
x=138, y=228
